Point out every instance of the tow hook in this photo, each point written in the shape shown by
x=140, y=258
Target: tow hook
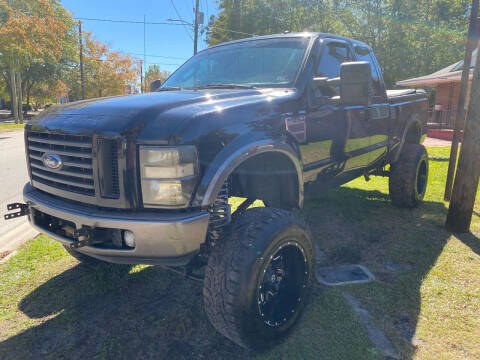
x=23, y=211
x=83, y=238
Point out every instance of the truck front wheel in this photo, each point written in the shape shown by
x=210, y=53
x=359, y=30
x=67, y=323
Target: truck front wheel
x=258, y=278
x=409, y=176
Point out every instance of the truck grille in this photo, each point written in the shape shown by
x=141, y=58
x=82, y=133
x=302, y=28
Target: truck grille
x=76, y=174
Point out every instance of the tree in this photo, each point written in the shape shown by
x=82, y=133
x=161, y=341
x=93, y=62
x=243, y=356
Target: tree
x=153, y=73
x=107, y=72
x=32, y=32
x=410, y=38
x=465, y=186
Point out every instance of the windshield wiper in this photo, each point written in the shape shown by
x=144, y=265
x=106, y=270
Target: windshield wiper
x=224, y=86
x=169, y=88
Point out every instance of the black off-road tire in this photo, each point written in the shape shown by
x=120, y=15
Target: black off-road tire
x=238, y=267
x=409, y=176
x=84, y=259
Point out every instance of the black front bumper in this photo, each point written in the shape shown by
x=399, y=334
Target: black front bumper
x=161, y=238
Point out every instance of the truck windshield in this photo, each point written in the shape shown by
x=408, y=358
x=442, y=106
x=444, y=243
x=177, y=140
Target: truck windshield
x=254, y=63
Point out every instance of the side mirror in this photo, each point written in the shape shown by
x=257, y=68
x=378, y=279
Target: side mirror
x=155, y=84
x=319, y=82
x=355, y=83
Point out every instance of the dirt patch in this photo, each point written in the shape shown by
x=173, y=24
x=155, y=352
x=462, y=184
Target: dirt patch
x=4, y=254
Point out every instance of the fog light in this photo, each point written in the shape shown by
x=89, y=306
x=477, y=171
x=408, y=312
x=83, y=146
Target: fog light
x=129, y=238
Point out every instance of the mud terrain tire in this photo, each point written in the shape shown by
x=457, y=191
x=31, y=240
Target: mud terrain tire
x=258, y=278
x=409, y=176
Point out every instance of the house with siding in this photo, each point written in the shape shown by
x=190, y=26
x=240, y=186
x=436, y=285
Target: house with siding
x=447, y=85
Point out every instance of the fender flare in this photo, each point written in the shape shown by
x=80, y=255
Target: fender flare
x=211, y=183
x=413, y=120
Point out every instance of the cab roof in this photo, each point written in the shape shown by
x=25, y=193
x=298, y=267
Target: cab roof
x=293, y=35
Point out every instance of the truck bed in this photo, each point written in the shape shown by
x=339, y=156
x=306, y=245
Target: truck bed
x=403, y=96
x=401, y=92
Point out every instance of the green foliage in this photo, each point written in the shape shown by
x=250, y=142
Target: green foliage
x=38, y=40
x=410, y=38
x=153, y=73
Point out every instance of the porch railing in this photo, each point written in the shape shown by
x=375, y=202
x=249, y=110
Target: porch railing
x=441, y=119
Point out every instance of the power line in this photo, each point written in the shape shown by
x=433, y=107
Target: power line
x=158, y=56
x=164, y=64
x=178, y=14
x=106, y=60
x=166, y=23
x=127, y=21
x=232, y=31
x=206, y=9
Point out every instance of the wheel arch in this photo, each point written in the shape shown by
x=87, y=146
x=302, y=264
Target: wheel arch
x=412, y=134
x=271, y=158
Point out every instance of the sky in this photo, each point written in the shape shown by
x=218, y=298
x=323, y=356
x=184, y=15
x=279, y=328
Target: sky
x=170, y=41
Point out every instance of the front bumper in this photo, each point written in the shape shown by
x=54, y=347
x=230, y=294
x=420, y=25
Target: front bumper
x=161, y=238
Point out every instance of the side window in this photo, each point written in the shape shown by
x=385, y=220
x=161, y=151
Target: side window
x=363, y=55
x=333, y=55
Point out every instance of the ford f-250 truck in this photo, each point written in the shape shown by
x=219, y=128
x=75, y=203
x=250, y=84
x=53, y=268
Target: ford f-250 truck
x=146, y=179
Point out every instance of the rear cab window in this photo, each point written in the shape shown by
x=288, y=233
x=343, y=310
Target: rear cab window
x=364, y=53
x=332, y=56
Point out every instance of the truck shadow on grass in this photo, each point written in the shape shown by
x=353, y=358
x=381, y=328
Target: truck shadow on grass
x=400, y=246
x=115, y=312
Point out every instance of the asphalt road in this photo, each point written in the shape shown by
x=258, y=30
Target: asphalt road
x=13, y=176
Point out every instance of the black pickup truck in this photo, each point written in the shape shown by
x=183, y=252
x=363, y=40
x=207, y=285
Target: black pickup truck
x=146, y=179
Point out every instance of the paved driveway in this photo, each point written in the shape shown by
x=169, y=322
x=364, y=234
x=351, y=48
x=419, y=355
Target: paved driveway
x=13, y=176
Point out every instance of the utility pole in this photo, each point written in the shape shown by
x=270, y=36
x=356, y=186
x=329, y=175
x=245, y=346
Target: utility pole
x=82, y=81
x=13, y=87
x=18, y=78
x=144, y=47
x=466, y=180
x=460, y=115
x=141, y=76
x=195, y=28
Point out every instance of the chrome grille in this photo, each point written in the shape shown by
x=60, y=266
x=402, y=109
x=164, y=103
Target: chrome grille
x=76, y=174
x=114, y=171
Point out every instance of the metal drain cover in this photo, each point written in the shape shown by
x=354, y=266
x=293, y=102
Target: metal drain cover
x=342, y=275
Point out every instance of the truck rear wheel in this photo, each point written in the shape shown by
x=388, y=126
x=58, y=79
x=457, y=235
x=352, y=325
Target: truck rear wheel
x=409, y=176
x=257, y=279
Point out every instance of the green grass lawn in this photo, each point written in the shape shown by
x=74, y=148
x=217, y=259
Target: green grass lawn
x=426, y=297
x=10, y=126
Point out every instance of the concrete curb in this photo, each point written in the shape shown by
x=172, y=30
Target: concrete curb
x=17, y=236
x=376, y=336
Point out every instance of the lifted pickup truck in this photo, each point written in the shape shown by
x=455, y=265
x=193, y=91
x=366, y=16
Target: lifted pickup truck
x=146, y=179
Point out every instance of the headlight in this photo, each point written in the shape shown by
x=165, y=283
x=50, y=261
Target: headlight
x=168, y=175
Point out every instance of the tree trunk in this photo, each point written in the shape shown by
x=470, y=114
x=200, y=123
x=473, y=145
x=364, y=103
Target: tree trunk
x=11, y=100
x=468, y=171
x=20, y=100
x=13, y=103
x=28, y=88
x=6, y=77
x=459, y=119
x=28, y=96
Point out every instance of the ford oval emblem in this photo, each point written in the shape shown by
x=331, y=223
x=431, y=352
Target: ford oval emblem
x=52, y=161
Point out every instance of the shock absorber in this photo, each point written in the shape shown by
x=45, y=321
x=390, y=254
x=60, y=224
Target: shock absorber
x=220, y=214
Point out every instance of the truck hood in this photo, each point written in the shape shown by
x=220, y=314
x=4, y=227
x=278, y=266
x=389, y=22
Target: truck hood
x=152, y=116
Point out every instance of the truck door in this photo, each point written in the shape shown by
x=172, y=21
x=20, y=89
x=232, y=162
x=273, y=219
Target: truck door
x=378, y=119
x=337, y=140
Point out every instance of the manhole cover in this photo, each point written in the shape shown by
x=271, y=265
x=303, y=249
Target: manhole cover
x=341, y=275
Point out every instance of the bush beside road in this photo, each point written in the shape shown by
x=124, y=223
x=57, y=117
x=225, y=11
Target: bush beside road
x=8, y=126
x=426, y=297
